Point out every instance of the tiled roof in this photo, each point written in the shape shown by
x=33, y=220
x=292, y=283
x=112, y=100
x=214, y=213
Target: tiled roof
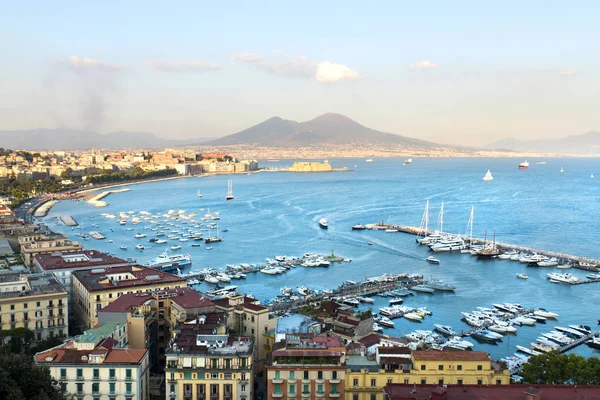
x=393, y=350
x=306, y=353
x=92, y=258
x=435, y=355
x=188, y=298
x=126, y=301
x=370, y=340
x=143, y=276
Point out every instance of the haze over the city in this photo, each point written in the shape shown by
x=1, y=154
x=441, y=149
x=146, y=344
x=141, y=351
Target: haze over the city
x=467, y=73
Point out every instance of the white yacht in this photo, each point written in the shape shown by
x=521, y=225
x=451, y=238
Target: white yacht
x=140, y=247
x=176, y=247
x=449, y=243
x=562, y=277
x=166, y=262
x=211, y=279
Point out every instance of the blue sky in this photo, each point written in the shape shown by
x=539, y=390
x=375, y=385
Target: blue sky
x=465, y=72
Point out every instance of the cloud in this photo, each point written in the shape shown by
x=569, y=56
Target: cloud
x=567, y=71
x=296, y=67
x=329, y=72
x=87, y=63
x=184, y=66
x=423, y=65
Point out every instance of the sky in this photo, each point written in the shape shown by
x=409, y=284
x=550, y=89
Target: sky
x=457, y=72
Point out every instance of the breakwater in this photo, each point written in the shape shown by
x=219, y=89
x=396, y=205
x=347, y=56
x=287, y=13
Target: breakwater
x=97, y=200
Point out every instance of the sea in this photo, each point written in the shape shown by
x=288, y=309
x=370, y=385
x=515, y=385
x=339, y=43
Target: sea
x=277, y=213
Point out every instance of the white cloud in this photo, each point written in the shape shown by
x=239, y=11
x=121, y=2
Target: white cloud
x=184, y=66
x=568, y=71
x=86, y=63
x=423, y=65
x=329, y=72
x=296, y=67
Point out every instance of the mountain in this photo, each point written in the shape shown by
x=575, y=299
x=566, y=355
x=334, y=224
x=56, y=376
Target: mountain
x=585, y=144
x=71, y=139
x=326, y=129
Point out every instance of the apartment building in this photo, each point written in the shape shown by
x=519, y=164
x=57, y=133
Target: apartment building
x=97, y=369
x=307, y=367
x=41, y=243
x=34, y=301
x=246, y=316
x=205, y=363
x=96, y=288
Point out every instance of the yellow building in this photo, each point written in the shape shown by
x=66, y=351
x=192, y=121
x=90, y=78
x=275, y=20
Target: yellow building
x=96, y=288
x=366, y=378
x=39, y=243
x=205, y=363
x=37, y=302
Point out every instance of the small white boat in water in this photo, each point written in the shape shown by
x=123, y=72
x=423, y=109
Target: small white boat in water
x=488, y=176
x=123, y=247
x=432, y=260
x=211, y=279
x=562, y=169
x=522, y=276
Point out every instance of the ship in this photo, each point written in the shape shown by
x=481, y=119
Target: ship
x=323, y=223
x=167, y=263
x=524, y=165
x=488, y=176
x=229, y=191
x=408, y=161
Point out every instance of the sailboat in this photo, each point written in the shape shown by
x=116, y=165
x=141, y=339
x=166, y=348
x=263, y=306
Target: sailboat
x=199, y=194
x=423, y=227
x=592, y=176
x=488, y=176
x=229, y=191
x=437, y=235
x=561, y=169
x=470, y=230
x=210, y=238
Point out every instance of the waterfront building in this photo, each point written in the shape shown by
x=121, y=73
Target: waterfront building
x=93, y=367
x=307, y=367
x=40, y=243
x=246, y=316
x=204, y=362
x=34, y=301
x=62, y=265
x=96, y=288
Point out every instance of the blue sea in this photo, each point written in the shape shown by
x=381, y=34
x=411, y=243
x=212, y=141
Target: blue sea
x=277, y=213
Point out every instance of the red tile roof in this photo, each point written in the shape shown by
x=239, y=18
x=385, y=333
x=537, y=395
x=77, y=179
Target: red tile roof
x=126, y=356
x=127, y=301
x=74, y=356
x=393, y=350
x=143, y=276
x=435, y=355
x=53, y=261
x=188, y=298
x=370, y=340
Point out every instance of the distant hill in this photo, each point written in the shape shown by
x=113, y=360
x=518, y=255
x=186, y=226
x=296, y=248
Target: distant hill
x=70, y=139
x=586, y=144
x=328, y=128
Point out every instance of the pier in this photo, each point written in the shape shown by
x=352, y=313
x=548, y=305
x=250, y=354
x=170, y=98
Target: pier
x=578, y=342
x=579, y=262
x=97, y=200
x=68, y=220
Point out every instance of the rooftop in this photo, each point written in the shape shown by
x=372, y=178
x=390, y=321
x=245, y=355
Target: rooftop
x=436, y=355
x=62, y=355
x=187, y=298
x=30, y=285
x=123, y=277
x=78, y=260
x=127, y=301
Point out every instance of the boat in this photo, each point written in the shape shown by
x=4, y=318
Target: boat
x=571, y=332
x=502, y=328
x=564, y=266
x=450, y=243
x=351, y=302
x=524, y=165
x=212, y=239
x=458, y=343
x=396, y=300
x=160, y=241
x=391, y=230
x=209, y=248
x=408, y=161
x=542, y=312
x=581, y=328
x=562, y=277
x=486, y=335
x=488, y=176
x=432, y=260
x=369, y=160
x=176, y=247
x=423, y=227
x=370, y=244
x=323, y=223
x=593, y=276
x=229, y=190
x=123, y=247
x=211, y=279
x=166, y=262
x=541, y=163
x=522, y=276
x=528, y=351
x=422, y=288
x=386, y=322
x=139, y=247
x=445, y=330
x=358, y=227
x=413, y=316
x=139, y=235
x=592, y=176
x=561, y=169
x=223, y=277
x=439, y=285
x=199, y=194
x=594, y=343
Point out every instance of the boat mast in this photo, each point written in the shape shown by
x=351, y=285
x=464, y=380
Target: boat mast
x=426, y=217
x=470, y=225
x=441, y=218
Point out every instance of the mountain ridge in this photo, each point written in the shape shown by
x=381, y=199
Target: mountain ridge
x=583, y=144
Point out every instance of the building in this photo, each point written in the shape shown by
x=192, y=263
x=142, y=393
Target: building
x=247, y=317
x=97, y=369
x=37, y=302
x=62, y=265
x=205, y=363
x=40, y=243
x=96, y=288
x=312, y=367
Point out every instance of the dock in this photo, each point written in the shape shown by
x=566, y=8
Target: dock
x=97, y=235
x=68, y=220
x=577, y=342
x=97, y=200
x=579, y=262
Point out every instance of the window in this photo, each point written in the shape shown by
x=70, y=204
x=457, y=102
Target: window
x=459, y=381
x=373, y=382
x=292, y=375
x=423, y=381
x=111, y=387
x=227, y=363
x=373, y=397
x=423, y=367
x=97, y=297
x=63, y=387
x=128, y=373
x=12, y=306
x=79, y=373
x=79, y=388
x=440, y=367
x=406, y=381
x=441, y=382
x=334, y=388
x=354, y=397
x=320, y=389
x=63, y=373
x=459, y=367
x=111, y=373
x=214, y=389
x=128, y=388
x=305, y=374
x=292, y=389
x=479, y=367
x=333, y=374
x=305, y=389
x=277, y=375
x=96, y=373
x=498, y=382
x=389, y=380
x=355, y=383
x=277, y=388
x=320, y=375
x=38, y=304
x=479, y=382
x=95, y=388
x=24, y=305
x=252, y=319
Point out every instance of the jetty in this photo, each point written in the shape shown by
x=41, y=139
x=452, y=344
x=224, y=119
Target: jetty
x=97, y=200
x=68, y=220
x=42, y=210
x=578, y=342
x=579, y=262
x=97, y=235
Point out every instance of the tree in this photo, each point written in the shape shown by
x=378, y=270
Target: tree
x=21, y=379
x=562, y=369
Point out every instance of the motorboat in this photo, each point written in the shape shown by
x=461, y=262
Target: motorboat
x=545, y=313
x=377, y=327
x=408, y=161
x=563, y=277
x=502, y=329
x=448, y=244
x=432, y=260
x=524, y=165
x=303, y=290
x=140, y=247
x=139, y=235
x=323, y=223
x=594, y=343
x=525, y=350
x=351, y=301
x=211, y=279
x=522, y=276
x=522, y=320
x=486, y=335
x=413, y=316
x=386, y=322
x=445, y=330
x=391, y=230
x=396, y=300
x=176, y=247
x=570, y=332
x=593, y=276
x=552, y=262
x=439, y=285
x=359, y=227
x=166, y=262
x=458, y=343
x=223, y=277
x=422, y=288
x=123, y=247
x=488, y=176
x=581, y=328
x=160, y=241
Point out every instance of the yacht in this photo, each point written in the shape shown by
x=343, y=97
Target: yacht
x=432, y=260
x=211, y=279
x=502, y=328
x=199, y=194
x=594, y=343
x=581, y=328
x=229, y=190
x=176, y=247
x=528, y=351
x=408, y=161
x=486, y=335
x=562, y=277
x=458, y=343
x=351, y=302
x=385, y=321
x=552, y=262
x=445, y=330
x=524, y=165
x=123, y=247
x=439, y=285
x=448, y=244
x=223, y=277
x=593, y=276
x=165, y=262
x=561, y=169
x=396, y=300
x=522, y=276
x=139, y=235
x=545, y=313
x=488, y=176
x=571, y=332
x=369, y=160
x=358, y=227
x=430, y=239
x=413, y=316
x=422, y=288
x=139, y=247
x=323, y=223
x=160, y=241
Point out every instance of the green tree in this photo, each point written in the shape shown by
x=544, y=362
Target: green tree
x=21, y=379
x=561, y=369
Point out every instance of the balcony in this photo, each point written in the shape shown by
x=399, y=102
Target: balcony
x=306, y=395
x=320, y=381
x=334, y=381
x=50, y=306
x=277, y=380
x=333, y=395
x=79, y=378
x=320, y=395
x=306, y=381
x=96, y=377
x=277, y=395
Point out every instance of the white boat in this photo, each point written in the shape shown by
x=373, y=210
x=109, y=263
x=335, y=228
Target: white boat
x=524, y=165
x=562, y=277
x=351, y=301
x=396, y=300
x=562, y=169
x=199, y=194
x=211, y=279
x=488, y=176
x=323, y=223
x=385, y=321
x=528, y=351
x=359, y=227
x=139, y=235
x=160, y=241
x=369, y=160
x=223, y=277
x=423, y=289
x=581, y=328
x=521, y=320
x=413, y=316
x=176, y=247
x=545, y=313
x=446, y=330
x=123, y=247
x=522, y=276
x=229, y=190
x=408, y=161
x=166, y=262
x=502, y=329
x=448, y=244
x=139, y=247
x=432, y=260
x=593, y=276
x=592, y=176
